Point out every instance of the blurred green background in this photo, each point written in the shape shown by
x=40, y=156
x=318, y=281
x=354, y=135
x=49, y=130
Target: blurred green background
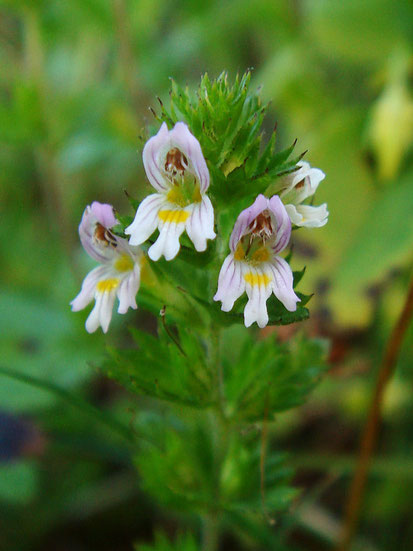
x=76, y=80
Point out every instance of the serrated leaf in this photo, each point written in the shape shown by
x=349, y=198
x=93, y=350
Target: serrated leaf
x=266, y=377
x=163, y=368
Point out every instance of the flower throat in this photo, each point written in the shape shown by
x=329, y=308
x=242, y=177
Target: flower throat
x=185, y=189
x=253, y=247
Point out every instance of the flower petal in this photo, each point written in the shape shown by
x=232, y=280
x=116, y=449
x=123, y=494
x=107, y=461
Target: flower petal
x=146, y=218
x=157, y=147
x=282, y=284
x=200, y=225
x=283, y=224
x=171, y=225
x=92, y=215
x=102, y=311
x=308, y=216
x=303, y=183
x=259, y=287
x=231, y=284
x=128, y=289
x=181, y=137
x=87, y=291
x=151, y=162
x=104, y=214
x=294, y=215
x=245, y=218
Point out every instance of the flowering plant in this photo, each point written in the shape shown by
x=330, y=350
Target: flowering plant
x=237, y=201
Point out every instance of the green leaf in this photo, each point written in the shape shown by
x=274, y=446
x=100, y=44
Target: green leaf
x=383, y=241
x=264, y=377
x=180, y=471
x=170, y=367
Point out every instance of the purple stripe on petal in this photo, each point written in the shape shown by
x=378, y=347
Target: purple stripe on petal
x=231, y=284
x=150, y=157
x=87, y=228
x=182, y=138
x=283, y=284
x=283, y=223
x=245, y=218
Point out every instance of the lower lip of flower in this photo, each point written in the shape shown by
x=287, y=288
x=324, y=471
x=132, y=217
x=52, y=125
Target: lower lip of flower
x=107, y=285
x=257, y=279
x=173, y=216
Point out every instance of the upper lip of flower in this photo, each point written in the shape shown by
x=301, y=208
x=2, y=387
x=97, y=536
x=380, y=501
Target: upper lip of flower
x=170, y=155
x=97, y=238
x=265, y=219
x=303, y=183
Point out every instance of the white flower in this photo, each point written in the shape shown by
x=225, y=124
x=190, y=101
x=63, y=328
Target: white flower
x=176, y=168
x=253, y=266
x=119, y=272
x=301, y=185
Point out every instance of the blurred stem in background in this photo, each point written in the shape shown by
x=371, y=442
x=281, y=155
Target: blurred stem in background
x=127, y=58
x=370, y=432
x=52, y=179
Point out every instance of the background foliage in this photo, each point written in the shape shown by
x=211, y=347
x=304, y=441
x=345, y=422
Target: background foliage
x=76, y=82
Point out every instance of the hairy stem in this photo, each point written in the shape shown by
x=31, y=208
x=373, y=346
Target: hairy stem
x=369, y=436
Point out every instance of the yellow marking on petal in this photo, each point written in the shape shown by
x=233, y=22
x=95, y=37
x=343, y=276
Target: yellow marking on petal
x=257, y=279
x=261, y=255
x=239, y=252
x=107, y=285
x=173, y=216
x=183, y=197
x=124, y=263
x=175, y=196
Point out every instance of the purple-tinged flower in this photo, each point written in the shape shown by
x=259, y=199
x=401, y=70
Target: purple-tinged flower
x=176, y=168
x=261, y=232
x=301, y=185
x=119, y=272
